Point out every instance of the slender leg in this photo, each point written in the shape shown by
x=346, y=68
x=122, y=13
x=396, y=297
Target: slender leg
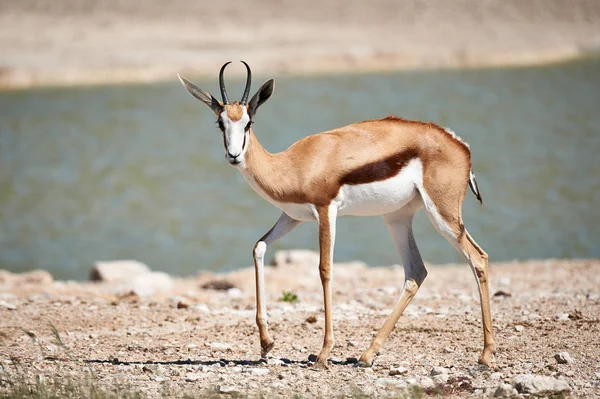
x=283, y=226
x=451, y=226
x=327, y=220
x=478, y=260
x=414, y=273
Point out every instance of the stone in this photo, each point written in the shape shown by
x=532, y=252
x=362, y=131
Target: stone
x=192, y=377
x=226, y=389
x=427, y=383
x=219, y=346
x=8, y=305
x=562, y=317
x=117, y=271
x=275, y=362
x=539, y=384
x=519, y=328
x=505, y=391
x=258, y=371
x=440, y=379
x=398, y=371
x=234, y=293
x=563, y=358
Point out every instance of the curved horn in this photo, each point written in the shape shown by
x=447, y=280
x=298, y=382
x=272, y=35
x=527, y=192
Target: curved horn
x=248, y=83
x=222, y=84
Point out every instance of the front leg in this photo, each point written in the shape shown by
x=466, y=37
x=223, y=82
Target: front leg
x=284, y=225
x=327, y=220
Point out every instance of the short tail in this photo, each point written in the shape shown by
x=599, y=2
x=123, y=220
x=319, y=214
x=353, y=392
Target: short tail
x=474, y=187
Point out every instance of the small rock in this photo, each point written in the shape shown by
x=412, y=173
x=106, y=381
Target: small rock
x=226, y=389
x=183, y=304
x=448, y=349
x=502, y=293
x=219, y=346
x=192, y=377
x=118, y=270
x=563, y=358
x=398, y=371
x=234, y=293
x=439, y=371
x=427, y=383
x=539, y=384
x=597, y=375
x=218, y=285
x=259, y=371
x=505, y=391
x=312, y=358
x=562, y=317
x=519, y=328
x=147, y=284
x=352, y=344
x=7, y=305
x=311, y=319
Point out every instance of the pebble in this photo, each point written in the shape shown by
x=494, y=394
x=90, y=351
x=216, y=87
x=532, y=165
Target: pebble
x=259, y=371
x=226, y=389
x=563, y=358
x=427, y=383
x=235, y=293
x=563, y=317
x=398, y=371
x=299, y=348
x=275, y=362
x=192, y=377
x=8, y=305
x=519, y=328
x=219, y=346
x=448, y=349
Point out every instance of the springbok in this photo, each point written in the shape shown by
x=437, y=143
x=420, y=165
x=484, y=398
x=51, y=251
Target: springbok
x=390, y=167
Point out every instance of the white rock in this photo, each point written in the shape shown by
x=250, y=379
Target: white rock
x=118, y=270
x=275, y=362
x=519, y=328
x=563, y=316
x=539, y=384
x=563, y=358
x=219, y=346
x=440, y=379
x=202, y=308
x=235, y=293
x=427, y=383
x=258, y=371
x=226, y=389
x=8, y=305
x=192, y=377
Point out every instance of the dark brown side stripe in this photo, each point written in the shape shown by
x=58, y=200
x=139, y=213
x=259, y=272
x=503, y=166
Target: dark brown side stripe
x=380, y=170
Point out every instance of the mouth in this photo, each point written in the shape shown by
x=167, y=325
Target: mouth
x=235, y=162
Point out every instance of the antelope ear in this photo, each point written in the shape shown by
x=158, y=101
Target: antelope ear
x=261, y=96
x=202, y=95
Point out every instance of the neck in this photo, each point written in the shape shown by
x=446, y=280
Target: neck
x=262, y=171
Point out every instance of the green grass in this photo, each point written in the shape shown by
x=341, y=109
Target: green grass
x=288, y=296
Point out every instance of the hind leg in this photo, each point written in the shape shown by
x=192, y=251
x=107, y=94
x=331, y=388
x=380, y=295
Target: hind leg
x=414, y=273
x=446, y=216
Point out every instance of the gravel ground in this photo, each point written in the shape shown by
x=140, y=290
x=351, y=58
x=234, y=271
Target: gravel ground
x=72, y=42
x=197, y=335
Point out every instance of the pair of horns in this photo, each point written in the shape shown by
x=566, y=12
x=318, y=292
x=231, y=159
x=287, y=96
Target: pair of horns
x=246, y=90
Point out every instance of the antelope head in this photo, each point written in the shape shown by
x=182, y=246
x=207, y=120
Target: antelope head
x=233, y=118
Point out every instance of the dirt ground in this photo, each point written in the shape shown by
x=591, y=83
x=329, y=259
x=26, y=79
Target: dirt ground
x=199, y=336
x=72, y=42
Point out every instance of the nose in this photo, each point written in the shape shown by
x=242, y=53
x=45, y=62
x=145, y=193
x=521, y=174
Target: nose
x=233, y=159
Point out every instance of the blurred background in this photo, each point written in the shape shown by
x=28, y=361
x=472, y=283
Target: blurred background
x=104, y=156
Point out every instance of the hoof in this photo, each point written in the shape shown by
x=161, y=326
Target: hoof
x=362, y=364
x=320, y=364
x=266, y=348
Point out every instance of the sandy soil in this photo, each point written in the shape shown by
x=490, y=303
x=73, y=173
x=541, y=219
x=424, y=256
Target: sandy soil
x=88, y=41
x=191, y=339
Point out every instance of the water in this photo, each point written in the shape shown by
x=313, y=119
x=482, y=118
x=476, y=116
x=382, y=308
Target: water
x=137, y=172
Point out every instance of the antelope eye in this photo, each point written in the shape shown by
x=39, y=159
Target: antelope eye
x=220, y=123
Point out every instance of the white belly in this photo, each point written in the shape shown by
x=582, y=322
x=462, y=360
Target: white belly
x=377, y=198
x=381, y=197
